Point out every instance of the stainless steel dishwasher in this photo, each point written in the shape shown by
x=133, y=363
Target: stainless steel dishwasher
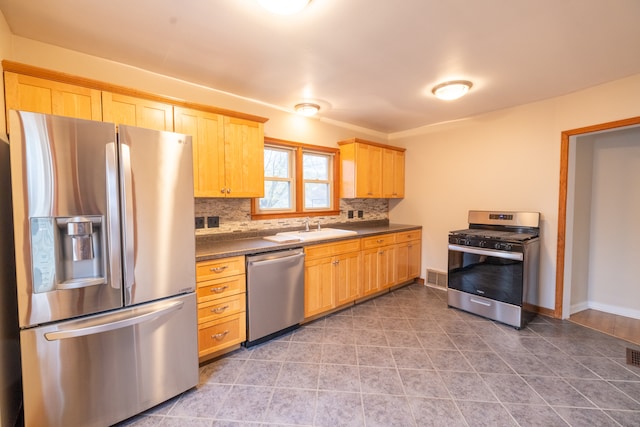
x=275, y=294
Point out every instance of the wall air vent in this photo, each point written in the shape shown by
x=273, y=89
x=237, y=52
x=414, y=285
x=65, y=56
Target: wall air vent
x=436, y=278
x=633, y=357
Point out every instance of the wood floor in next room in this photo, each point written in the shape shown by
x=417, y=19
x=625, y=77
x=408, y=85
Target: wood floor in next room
x=625, y=328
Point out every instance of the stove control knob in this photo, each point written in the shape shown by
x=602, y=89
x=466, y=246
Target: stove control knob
x=482, y=244
x=508, y=247
x=497, y=245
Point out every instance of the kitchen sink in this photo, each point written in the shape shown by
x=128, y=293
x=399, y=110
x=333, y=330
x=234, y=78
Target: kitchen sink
x=311, y=235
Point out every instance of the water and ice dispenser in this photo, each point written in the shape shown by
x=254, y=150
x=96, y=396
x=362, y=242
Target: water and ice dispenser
x=68, y=252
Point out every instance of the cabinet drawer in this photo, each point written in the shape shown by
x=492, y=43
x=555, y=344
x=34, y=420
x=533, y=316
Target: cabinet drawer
x=221, y=307
x=222, y=333
x=407, y=236
x=330, y=249
x=378, y=241
x=213, y=289
x=207, y=270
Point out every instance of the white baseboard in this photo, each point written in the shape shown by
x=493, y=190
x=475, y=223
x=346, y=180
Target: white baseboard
x=575, y=308
x=612, y=309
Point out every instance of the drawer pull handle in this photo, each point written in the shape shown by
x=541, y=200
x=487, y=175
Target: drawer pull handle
x=219, y=289
x=379, y=240
x=220, y=336
x=487, y=304
x=218, y=269
x=219, y=309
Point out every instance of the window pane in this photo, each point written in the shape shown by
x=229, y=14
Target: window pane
x=276, y=163
x=277, y=195
x=316, y=195
x=315, y=166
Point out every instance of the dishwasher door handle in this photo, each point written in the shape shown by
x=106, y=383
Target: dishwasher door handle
x=275, y=260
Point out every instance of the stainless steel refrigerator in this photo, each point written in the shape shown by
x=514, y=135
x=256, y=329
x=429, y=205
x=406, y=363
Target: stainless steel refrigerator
x=105, y=268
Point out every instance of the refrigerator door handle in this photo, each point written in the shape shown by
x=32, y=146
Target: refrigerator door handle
x=109, y=325
x=113, y=215
x=128, y=228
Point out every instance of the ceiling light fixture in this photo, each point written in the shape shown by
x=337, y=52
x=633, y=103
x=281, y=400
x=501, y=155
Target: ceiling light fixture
x=452, y=90
x=307, y=108
x=284, y=7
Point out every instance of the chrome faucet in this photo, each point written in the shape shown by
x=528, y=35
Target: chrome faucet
x=319, y=225
x=306, y=223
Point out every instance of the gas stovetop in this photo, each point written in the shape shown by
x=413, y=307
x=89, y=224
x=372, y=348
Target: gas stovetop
x=506, y=231
x=501, y=235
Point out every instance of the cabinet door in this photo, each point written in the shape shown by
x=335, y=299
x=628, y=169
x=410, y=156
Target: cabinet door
x=319, y=285
x=348, y=282
x=415, y=258
x=387, y=266
x=392, y=173
x=207, y=131
x=132, y=111
x=368, y=171
x=402, y=262
x=370, y=282
x=44, y=96
x=244, y=158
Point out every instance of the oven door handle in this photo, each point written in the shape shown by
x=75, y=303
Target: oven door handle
x=517, y=256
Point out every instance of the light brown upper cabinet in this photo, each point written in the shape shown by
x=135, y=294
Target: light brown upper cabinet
x=128, y=110
x=227, y=153
x=371, y=170
x=38, y=95
x=392, y=173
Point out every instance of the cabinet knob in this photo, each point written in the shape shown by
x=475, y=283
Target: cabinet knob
x=228, y=190
x=222, y=190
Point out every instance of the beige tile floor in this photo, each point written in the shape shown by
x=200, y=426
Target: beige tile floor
x=406, y=359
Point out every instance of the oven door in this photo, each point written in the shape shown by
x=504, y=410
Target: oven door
x=492, y=274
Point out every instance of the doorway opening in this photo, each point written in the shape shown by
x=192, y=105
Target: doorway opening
x=593, y=212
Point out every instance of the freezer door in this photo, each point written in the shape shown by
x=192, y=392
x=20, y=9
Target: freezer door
x=103, y=369
x=66, y=217
x=158, y=214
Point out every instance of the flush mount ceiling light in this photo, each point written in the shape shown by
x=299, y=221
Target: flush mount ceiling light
x=284, y=7
x=307, y=108
x=452, y=90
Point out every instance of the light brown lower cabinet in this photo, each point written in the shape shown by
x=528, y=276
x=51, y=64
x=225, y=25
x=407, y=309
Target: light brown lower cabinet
x=340, y=273
x=331, y=276
x=221, y=295
x=408, y=255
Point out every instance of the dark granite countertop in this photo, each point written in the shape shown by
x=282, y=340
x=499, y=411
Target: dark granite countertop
x=220, y=246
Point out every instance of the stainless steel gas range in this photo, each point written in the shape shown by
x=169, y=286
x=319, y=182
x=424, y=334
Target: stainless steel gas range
x=493, y=266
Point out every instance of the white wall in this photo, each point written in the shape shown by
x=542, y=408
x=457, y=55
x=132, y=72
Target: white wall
x=615, y=210
x=578, y=235
x=5, y=49
x=505, y=160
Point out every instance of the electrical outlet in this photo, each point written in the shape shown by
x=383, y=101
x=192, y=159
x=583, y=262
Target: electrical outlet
x=360, y=214
x=349, y=214
x=199, y=222
x=213, y=221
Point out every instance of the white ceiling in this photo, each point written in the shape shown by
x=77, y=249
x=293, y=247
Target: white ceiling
x=370, y=63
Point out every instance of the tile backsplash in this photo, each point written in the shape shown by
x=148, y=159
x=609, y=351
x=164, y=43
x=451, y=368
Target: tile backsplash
x=235, y=215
